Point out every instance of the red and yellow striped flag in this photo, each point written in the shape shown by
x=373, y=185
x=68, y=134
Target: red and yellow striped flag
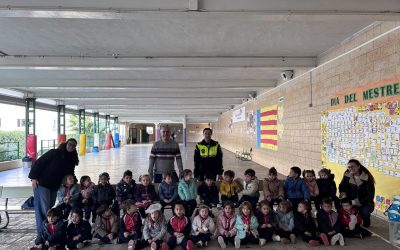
x=269, y=127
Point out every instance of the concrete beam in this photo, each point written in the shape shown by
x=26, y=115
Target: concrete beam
x=144, y=84
x=231, y=14
x=141, y=95
x=138, y=101
x=288, y=6
x=90, y=63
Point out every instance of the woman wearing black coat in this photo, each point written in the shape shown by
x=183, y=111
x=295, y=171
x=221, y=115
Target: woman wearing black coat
x=46, y=176
x=358, y=184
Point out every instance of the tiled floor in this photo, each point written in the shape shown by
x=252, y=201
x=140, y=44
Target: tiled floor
x=20, y=233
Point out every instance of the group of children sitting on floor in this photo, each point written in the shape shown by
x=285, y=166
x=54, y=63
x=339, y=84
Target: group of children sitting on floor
x=143, y=223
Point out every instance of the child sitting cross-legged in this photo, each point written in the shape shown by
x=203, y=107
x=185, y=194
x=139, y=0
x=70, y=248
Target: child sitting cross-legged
x=145, y=194
x=167, y=192
x=187, y=192
x=125, y=190
x=53, y=232
x=202, y=227
x=329, y=224
x=296, y=189
x=273, y=188
x=246, y=226
x=285, y=219
x=78, y=230
x=154, y=231
x=267, y=223
x=208, y=192
x=179, y=227
x=351, y=220
x=67, y=195
x=86, y=201
x=130, y=225
x=304, y=224
x=106, y=226
x=250, y=188
x=229, y=188
x=226, y=225
x=103, y=193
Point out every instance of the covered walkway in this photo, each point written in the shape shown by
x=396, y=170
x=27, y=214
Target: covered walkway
x=21, y=231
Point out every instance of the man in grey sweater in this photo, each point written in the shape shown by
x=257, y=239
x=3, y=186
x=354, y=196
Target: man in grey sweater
x=162, y=157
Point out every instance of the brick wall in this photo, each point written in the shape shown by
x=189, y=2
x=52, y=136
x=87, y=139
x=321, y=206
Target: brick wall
x=301, y=141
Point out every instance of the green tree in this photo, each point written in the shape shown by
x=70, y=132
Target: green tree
x=13, y=137
x=73, y=124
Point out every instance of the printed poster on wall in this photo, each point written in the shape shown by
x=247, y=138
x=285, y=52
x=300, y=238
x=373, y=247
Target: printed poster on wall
x=239, y=115
x=364, y=123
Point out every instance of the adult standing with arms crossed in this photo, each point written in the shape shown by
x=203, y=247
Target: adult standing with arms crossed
x=46, y=176
x=162, y=157
x=208, y=157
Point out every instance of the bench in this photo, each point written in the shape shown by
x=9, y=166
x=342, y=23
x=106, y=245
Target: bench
x=13, y=193
x=244, y=155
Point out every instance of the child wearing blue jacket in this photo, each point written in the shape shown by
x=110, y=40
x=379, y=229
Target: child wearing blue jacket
x=296, y=189
x=167, y=192
x=246, y=226
x=188, y=192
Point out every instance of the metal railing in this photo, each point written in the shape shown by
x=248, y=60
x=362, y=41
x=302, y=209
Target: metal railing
x=46, y=145
x=9, y=151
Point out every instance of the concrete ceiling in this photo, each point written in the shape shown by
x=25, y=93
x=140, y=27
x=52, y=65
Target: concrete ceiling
x=154, y=60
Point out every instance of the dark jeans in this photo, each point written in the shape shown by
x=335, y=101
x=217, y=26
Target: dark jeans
x=266, y=233
x=44, y=199
x=66, y=209
x=172, y=242
x=87, y=209
x=72, y=244
x=229, y=239
x=252, y=199
x=295, y=202
x=140, y=244
x=233, y=198
x=307, y=238
x=104, y=239
x=123, y=239
x=201, y=237
x=158, y=178
x=250, y=238
x=190, y=206
x=365, y=212
x=208, y=200
x=164, y=204
x=356, y=232
x=284, y=234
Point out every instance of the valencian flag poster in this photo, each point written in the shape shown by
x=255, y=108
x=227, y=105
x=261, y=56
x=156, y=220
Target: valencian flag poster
x=267, y=127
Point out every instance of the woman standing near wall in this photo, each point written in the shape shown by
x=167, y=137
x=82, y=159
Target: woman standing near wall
x=358, y=184
x=46, y=176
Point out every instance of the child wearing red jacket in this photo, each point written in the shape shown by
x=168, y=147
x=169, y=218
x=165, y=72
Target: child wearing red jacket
x=179, y=227
x=351, y=220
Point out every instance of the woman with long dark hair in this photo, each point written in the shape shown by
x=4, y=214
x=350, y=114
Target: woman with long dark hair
x=46, y=176
x=358, y=184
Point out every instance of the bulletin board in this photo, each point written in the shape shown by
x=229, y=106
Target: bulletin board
x=369, y=132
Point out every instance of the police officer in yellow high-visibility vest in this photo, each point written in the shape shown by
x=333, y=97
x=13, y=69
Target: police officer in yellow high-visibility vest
x=207, y=157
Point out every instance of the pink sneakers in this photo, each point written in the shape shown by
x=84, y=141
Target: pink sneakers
x=189, y=245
